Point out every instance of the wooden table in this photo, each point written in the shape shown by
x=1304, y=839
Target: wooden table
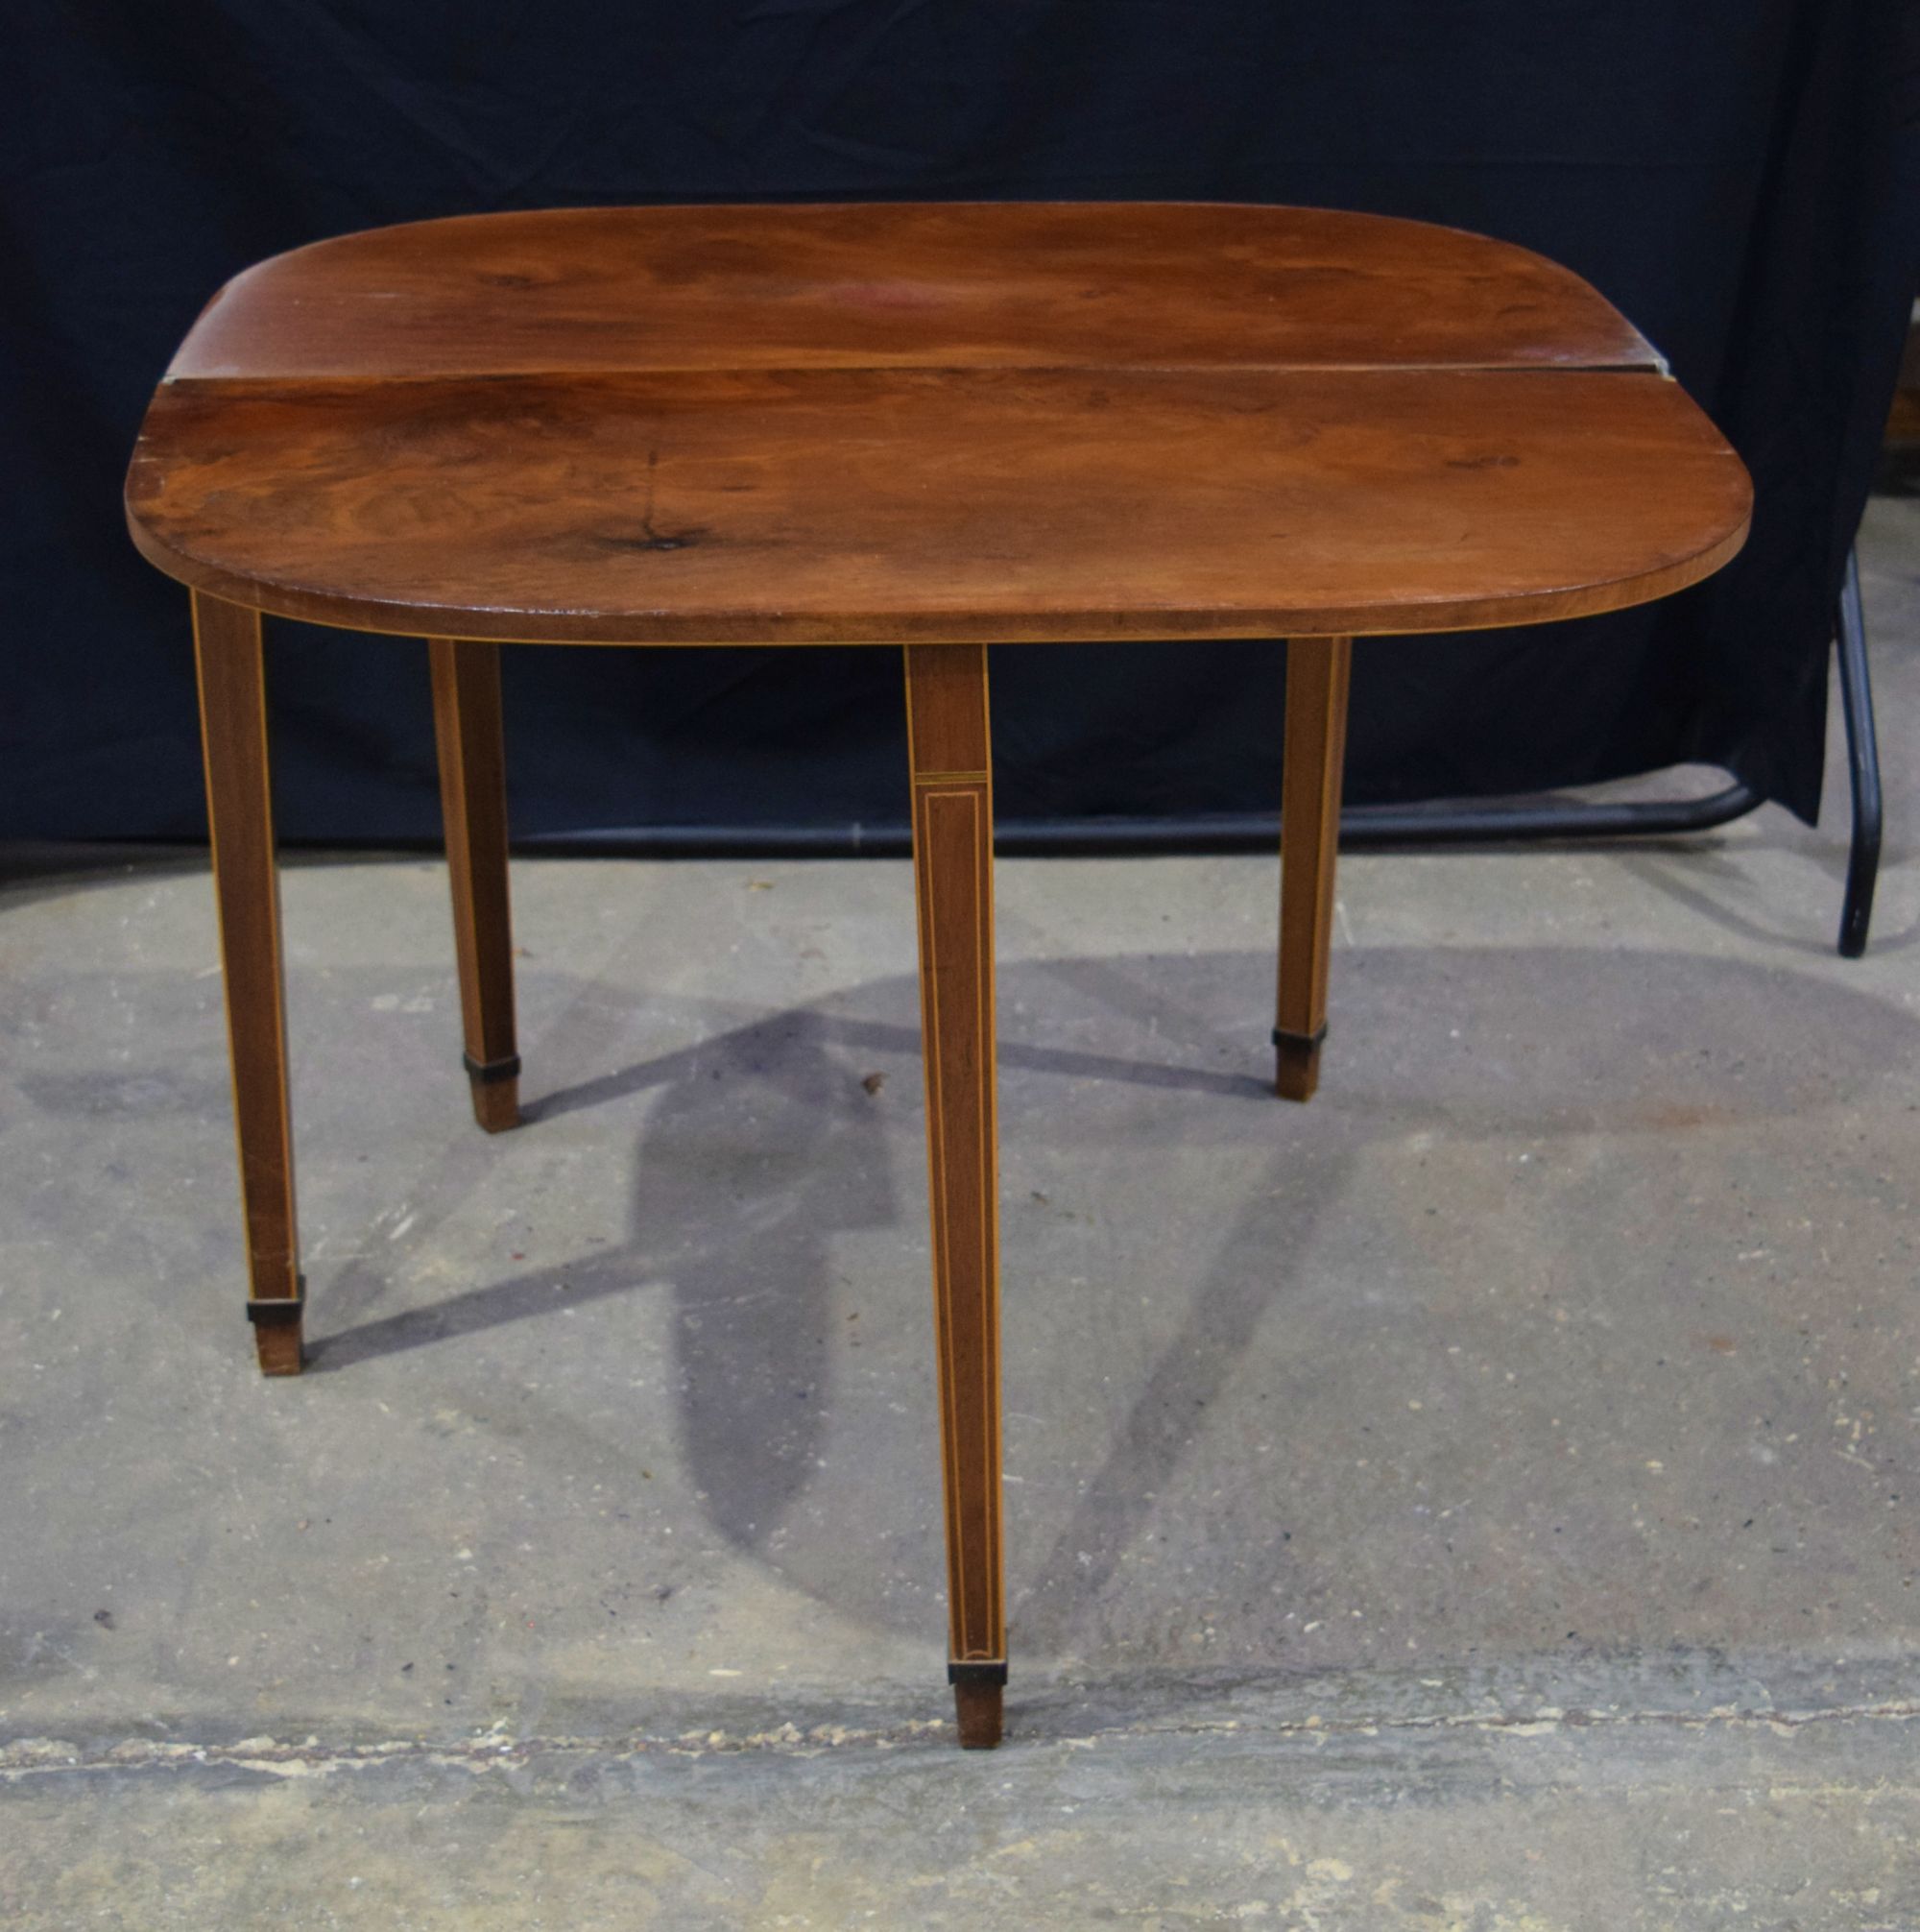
x=936, y=426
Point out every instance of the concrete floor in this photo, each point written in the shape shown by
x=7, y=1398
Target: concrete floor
x=1485, y=1499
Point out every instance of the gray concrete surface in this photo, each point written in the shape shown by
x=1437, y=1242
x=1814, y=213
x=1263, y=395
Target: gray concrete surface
x=1485, y=1499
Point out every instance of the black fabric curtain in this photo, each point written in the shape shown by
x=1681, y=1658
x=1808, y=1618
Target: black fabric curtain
x=1740, y=177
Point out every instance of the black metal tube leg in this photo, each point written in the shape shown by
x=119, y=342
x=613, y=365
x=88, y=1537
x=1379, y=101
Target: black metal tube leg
x=1862, y=764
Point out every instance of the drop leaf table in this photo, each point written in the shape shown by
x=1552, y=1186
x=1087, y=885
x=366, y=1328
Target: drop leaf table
x=927, y=426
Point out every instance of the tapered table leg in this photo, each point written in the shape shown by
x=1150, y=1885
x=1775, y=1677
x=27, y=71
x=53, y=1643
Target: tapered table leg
x=473, y=803
x=953, y=882
x=1317, y=673
x=240, y=818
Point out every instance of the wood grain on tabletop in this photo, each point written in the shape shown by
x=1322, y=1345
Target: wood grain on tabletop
x=924, y=424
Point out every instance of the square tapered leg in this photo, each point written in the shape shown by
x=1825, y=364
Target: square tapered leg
x=953, y=882
x=246, y=881
x=473, y=803
x=1317, y=674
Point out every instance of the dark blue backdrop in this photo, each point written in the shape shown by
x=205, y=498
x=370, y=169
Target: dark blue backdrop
x=1741, y=176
